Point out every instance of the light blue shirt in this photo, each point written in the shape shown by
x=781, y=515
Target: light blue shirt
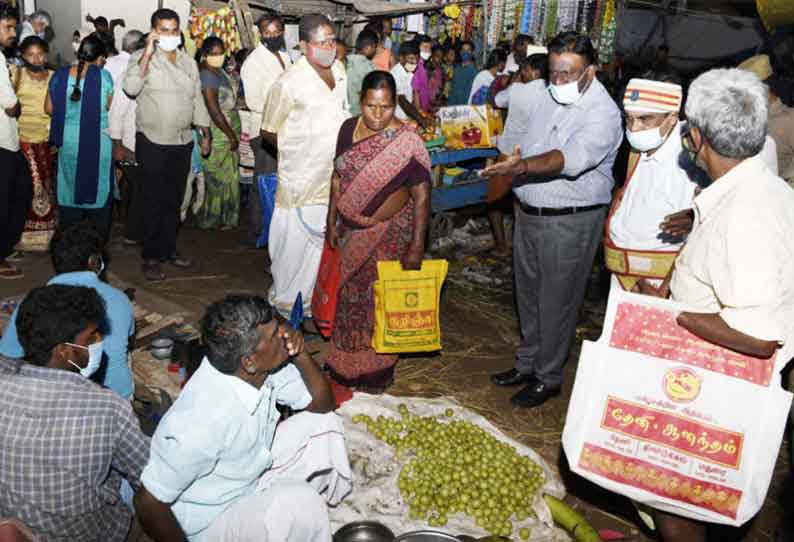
x=214, y=443
x=121, y=320
x=588, y=133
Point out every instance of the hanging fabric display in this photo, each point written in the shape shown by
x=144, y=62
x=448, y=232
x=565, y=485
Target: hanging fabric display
x=495, y=22
x=552, y=17
x=509, y=20
x=567, y=15
x=525, y=26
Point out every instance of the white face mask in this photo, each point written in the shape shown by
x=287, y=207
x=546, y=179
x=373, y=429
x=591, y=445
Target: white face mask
x=566, y=94
x=410, y=68
x=75, y=46
x=425, y=55
x=645, y=140
x=94, y=358
x=169, y=43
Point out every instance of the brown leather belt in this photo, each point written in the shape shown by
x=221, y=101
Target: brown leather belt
x=559, y=211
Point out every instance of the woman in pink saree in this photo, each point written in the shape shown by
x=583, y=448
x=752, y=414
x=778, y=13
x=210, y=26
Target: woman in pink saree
x=379, y=211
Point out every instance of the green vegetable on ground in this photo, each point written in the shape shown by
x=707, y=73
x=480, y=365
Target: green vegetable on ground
x=571, y=520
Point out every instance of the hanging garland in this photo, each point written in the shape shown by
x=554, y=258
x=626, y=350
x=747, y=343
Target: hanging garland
x=221, y=23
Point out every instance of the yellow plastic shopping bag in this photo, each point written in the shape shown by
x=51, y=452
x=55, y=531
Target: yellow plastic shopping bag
x=407, y=307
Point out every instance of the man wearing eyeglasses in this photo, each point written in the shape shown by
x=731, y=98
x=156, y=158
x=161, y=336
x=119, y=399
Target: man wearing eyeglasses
x=302, y=116
x=562, y=170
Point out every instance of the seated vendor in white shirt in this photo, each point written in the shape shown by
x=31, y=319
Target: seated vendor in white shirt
x=656, y=185
x=220, y=469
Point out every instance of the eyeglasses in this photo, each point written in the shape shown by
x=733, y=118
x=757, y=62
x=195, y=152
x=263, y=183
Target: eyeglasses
x=565, y=76
x=686, y=137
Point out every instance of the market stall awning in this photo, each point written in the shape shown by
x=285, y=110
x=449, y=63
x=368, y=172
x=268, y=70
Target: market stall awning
x=338, y=7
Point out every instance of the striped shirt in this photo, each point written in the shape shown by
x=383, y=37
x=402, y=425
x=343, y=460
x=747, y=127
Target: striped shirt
x=588, y=133
x=65, y=444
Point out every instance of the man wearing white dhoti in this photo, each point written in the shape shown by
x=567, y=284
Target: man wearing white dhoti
x=302, y=116
x=219, y=469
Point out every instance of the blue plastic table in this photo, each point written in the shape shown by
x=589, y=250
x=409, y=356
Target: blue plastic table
x=445, y=198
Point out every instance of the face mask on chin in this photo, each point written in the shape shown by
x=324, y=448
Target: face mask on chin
x=566, y=94
x=321, y=56
x=410, y=68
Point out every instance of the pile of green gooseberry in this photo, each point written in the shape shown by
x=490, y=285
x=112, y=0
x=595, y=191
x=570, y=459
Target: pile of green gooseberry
x=456, y=467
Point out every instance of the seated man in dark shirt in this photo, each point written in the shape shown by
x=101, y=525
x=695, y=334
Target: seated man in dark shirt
x=66, y=443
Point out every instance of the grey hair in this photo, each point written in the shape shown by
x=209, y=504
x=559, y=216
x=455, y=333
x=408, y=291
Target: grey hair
x=41, y=15
x=730, y=107
x=132, y=41
x=230, y=329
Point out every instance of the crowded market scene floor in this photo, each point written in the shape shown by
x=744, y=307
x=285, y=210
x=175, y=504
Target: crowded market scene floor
x=396, y=271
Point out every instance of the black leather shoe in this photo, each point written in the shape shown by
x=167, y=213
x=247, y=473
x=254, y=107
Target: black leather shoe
x=534, y=394
x=511, y=378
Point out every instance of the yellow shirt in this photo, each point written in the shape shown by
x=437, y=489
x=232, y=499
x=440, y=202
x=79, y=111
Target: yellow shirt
x=33, y=123
x=737, y=260
x=306, y=116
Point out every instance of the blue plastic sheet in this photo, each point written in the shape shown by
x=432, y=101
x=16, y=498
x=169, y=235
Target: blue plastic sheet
x=266, y=185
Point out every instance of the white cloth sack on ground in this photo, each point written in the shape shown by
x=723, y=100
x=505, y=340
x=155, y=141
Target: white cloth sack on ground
x=376, y=496
x=672, y=421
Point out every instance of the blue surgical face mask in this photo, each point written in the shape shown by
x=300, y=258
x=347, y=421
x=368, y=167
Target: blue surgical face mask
x=94, y=358
x=466, y=56
x=387, y=43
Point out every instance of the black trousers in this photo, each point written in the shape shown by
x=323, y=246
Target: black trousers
x=101, y=217
x=164, y=171
x=133, y=201
x=16, y=194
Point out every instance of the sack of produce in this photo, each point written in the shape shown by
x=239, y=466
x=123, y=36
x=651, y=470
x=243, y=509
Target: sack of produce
x=672, y=421
x=407, y=307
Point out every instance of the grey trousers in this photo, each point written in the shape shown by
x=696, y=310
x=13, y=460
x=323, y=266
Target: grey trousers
x=552, y=260
x=265, y=162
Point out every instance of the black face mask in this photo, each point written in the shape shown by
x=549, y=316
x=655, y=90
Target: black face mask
x=274, y=44
x=34, y=68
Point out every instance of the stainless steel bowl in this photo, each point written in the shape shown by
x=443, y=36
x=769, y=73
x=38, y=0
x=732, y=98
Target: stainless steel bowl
x=364, y=531
x=426, y=536
x=162, y=342
x=162, y=353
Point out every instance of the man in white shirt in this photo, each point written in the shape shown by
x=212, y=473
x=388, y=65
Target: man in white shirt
x=304, y=111
x=637, y=251
x=117, y=64
x=734, y=271
x=221, y=467
x=122, y=128
x=16, y=187
x=403, y=73
x=520, y=45
x=260, y=70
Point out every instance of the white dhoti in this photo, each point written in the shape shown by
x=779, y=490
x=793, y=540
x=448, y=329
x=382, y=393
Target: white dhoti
x=295, y=244
x=310, y=471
